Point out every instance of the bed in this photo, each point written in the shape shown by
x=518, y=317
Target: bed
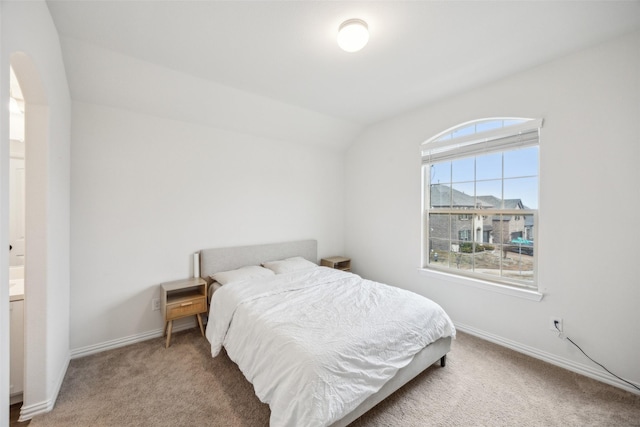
x=286, y=331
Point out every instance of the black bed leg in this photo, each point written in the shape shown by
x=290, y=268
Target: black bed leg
x=443, y=361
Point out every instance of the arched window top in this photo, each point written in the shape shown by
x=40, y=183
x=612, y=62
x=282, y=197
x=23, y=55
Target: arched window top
x=490, y=134
x=475, y=127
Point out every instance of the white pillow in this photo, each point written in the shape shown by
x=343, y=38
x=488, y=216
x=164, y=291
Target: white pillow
x=242, y=273
x=290, y=264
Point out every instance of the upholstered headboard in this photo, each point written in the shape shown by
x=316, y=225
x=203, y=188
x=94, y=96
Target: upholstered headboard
x=223, y=259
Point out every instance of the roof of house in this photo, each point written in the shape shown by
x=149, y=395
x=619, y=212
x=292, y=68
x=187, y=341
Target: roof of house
x=443, y=196
x=493, y=201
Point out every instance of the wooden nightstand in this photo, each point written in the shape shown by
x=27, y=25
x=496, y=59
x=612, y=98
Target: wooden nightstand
x=337, y=262
x=182, y=298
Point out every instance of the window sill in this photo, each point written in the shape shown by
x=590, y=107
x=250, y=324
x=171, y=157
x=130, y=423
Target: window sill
x=481, y=284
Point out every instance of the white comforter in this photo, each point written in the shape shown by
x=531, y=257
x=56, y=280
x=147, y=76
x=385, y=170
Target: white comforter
x=316, y=343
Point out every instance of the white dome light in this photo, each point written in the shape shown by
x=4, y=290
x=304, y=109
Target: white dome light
x=353, y=35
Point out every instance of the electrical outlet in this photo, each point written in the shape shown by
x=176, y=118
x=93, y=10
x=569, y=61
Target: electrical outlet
x=155, y=304
x=553, y=320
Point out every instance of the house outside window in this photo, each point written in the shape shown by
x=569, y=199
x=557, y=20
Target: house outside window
x=489, y=169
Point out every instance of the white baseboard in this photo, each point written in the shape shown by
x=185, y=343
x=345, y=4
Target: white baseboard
x=13, y=399
x=29, y=411
x=570, y=365
x=131, y=339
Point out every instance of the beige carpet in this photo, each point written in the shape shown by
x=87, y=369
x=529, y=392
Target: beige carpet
x=482, y=385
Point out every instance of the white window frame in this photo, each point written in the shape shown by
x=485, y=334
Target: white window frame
x=520, y=133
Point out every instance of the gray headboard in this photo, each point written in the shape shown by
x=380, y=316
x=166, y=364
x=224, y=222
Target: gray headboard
x=223, y=259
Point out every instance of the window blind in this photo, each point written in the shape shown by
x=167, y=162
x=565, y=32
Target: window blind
x=511, y=137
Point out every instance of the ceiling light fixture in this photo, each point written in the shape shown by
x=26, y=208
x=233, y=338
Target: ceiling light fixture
x=353, y=35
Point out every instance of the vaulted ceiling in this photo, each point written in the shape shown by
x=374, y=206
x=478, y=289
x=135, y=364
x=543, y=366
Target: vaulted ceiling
x=286, y=51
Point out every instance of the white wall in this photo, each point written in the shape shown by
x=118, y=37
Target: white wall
x=30, y=42
x=588, y=233
x=104, y=77
x=147, y=192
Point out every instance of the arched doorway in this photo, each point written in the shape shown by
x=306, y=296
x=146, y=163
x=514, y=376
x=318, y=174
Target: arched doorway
x=36, y=123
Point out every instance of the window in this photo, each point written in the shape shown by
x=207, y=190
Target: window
x=464, y=235
x=489, y=169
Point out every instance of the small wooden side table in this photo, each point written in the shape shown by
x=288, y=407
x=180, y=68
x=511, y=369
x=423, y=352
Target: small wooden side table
x=338, y=262
x=182, y=298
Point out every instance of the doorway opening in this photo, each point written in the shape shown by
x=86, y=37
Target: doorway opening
x=36, y=320
x=16, y=238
